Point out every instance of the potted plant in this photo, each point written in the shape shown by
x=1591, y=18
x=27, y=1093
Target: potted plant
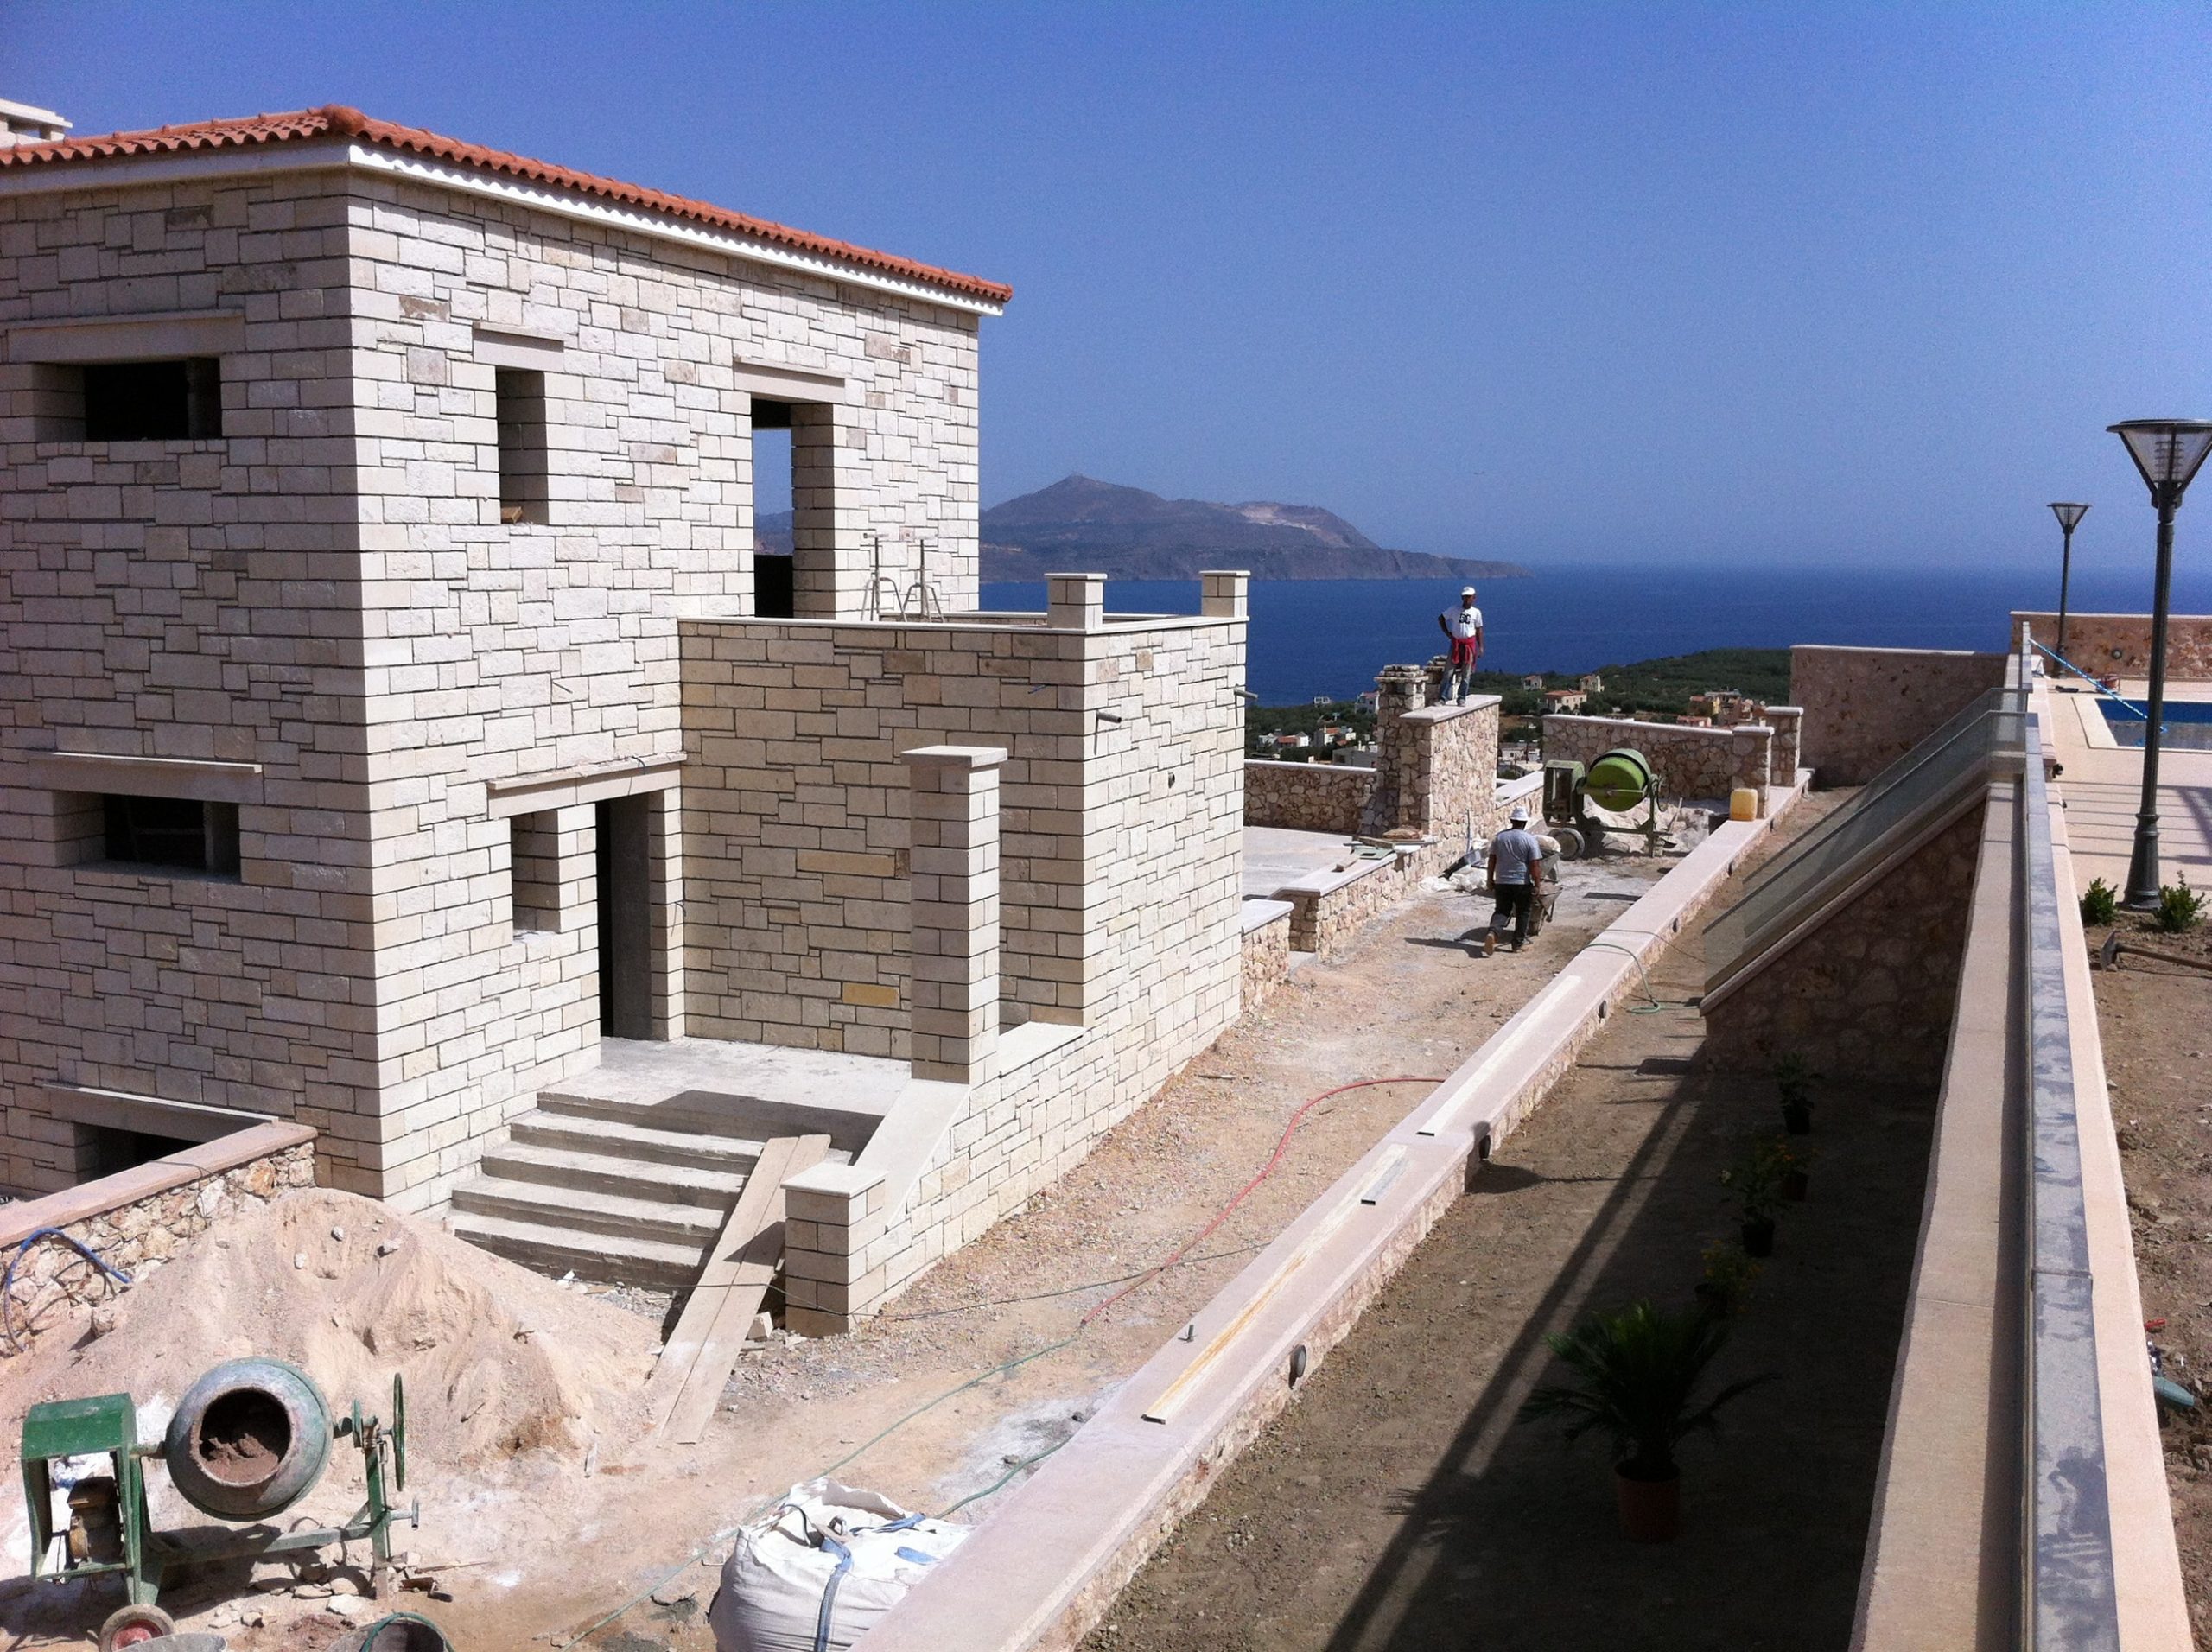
x=1793, y=1079
x=1756, y=1180
x=1727, y=1282
x=1636, y=1377
x=1796, y=1170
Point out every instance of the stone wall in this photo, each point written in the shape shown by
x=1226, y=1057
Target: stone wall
x=1870, y=994
x=1306, y=797
x=1265, y=953
x=1688, y=761
x=321, y=616
x=1864, y=708
x=137, y=1219
x=2119, y=644
x=1787, y=723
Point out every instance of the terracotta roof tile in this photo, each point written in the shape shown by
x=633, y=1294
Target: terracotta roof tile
x=335, y=120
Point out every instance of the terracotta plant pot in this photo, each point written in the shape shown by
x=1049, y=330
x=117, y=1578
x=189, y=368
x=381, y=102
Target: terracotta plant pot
x=1650, y=1510
x=1797, y=1118
x=1758, y=1237
x=1795, y=1185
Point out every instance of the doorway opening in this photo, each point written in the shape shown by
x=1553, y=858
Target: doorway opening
x=625, y=886
x=774, y=517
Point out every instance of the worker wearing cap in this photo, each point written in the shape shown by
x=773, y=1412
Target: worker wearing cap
x=1463, y=628
x=1515, y=876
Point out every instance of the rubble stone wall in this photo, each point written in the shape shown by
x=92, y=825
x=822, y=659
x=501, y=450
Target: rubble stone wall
x=1266, y=961
x=1864, y=708
x=1870, y=994
x=137, y=1219
x=2120, y=644
x=1306, y=797
x=1688, y=761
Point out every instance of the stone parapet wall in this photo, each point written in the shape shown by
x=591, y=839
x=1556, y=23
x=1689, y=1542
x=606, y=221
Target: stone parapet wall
x=1865, y=708
x=137, y=1219
x=1788, y=724
x=1870, y=994
x=2119, y=644
x=1306, y=797
x=1687, y=761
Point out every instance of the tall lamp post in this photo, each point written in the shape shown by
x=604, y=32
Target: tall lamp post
x=2169, y=452
x=2069, y=516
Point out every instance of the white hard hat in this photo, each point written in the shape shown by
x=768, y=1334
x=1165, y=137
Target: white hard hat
x=1520, y=815
x=1466, y=590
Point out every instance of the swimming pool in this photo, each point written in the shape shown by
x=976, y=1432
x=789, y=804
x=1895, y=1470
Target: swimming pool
x=2188, y=723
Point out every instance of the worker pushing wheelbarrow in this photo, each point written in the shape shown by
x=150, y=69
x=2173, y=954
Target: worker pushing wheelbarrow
x=1514, y=877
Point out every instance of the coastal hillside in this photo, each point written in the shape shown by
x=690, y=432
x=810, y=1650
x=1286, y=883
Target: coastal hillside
x=1101, y=527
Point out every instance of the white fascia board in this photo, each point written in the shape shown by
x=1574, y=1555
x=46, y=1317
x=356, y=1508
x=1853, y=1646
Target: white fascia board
x=127, y=170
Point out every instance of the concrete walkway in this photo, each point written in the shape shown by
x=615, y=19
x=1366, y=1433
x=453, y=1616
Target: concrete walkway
x=2102, y=785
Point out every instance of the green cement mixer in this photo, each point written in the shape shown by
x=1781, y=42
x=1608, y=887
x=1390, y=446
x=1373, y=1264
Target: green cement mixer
x=1620, y=781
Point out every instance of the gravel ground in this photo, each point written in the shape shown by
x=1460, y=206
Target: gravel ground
x=2155, y=1019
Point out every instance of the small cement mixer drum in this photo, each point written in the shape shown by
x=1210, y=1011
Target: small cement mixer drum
x=249, y=1439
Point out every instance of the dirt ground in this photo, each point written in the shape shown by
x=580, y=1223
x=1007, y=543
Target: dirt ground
x=546, y=1546
x=1398, y=1505
x=2155, y=1019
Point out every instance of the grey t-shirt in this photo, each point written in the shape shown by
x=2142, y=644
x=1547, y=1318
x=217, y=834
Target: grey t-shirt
x=1515, y=851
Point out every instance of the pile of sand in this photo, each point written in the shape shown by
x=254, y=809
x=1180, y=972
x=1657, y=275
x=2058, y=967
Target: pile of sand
x=497, y=1360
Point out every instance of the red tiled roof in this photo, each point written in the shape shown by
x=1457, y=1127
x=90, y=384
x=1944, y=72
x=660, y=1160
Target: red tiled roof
x=335, y=120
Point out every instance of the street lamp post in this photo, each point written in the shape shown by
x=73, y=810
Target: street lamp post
x=2169, y=452
x=2068, y=517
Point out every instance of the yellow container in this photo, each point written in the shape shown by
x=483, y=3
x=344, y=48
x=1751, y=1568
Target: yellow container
x=1744, y=803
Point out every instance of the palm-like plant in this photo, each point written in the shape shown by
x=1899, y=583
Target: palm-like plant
x=1638, y=1371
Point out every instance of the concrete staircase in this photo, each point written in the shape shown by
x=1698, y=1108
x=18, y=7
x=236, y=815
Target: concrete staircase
x=617, y=1192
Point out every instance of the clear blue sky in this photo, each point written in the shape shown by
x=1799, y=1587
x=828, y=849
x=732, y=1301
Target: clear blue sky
x=1534, y=282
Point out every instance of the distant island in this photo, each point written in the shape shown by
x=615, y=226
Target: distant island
x=1084, y=525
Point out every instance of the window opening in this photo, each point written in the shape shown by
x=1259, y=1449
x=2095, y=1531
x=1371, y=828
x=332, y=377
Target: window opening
x=183, y=834
x=112, y=1150
x=774, y=581
x=519, y=394
x=152, y=401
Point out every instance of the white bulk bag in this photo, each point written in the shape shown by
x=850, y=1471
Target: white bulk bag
x=817, y=1574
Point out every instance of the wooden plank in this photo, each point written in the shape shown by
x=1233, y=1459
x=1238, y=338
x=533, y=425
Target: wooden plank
x=703, y=1389
x=760, y=1209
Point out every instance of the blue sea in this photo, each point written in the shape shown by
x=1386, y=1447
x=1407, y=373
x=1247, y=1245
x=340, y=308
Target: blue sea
x=1330, y=637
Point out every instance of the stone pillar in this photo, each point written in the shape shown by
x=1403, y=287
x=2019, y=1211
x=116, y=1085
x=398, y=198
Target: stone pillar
x=1752, y=750
x=1225, y=593
x=1398, y=690
x=954, y=817
x=1075, y=601
x=1786, y=721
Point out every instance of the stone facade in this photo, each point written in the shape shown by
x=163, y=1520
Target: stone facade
x=1306, y=796
x=1266, y=954
x=1688, y=761
x=2119, y=644
x=1869, y=994
x=1864, y=708
x=323, y=618
x=137, y=1220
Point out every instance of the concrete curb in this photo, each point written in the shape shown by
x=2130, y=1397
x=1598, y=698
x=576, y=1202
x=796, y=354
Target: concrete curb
x=1042, y=1571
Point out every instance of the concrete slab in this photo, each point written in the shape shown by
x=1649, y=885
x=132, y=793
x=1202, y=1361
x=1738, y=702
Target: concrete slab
x=647, y=1074
x=2103, y=784
x=1275, y=855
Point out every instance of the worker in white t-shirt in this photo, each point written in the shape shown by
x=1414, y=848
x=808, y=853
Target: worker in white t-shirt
x=1463, y=628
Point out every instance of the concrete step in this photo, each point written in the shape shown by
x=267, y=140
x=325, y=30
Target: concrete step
x=657, y=1220
x=604, y=1259
x=578, y=1132
x=671, y=1115
x=719, y=1118
x=602, y=1173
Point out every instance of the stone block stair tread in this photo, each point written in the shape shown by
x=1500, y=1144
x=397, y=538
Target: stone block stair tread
x=610, y=1258
x=638, y=1141
x=603, y=1173
x=605, y=1213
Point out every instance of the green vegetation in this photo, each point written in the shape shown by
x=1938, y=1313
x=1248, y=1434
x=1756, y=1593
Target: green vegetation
x=1662, y=686
x=2099, y=903
x=2180, y=908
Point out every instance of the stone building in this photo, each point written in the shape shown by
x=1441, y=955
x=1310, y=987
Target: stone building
x=398, y=723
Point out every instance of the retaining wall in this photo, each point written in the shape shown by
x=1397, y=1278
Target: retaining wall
x=1864, y=708
x=139, y=1218
x=1266, y=951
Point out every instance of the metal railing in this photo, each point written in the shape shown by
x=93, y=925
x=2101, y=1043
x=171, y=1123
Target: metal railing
x=1885, y=819
x=2141, y=712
